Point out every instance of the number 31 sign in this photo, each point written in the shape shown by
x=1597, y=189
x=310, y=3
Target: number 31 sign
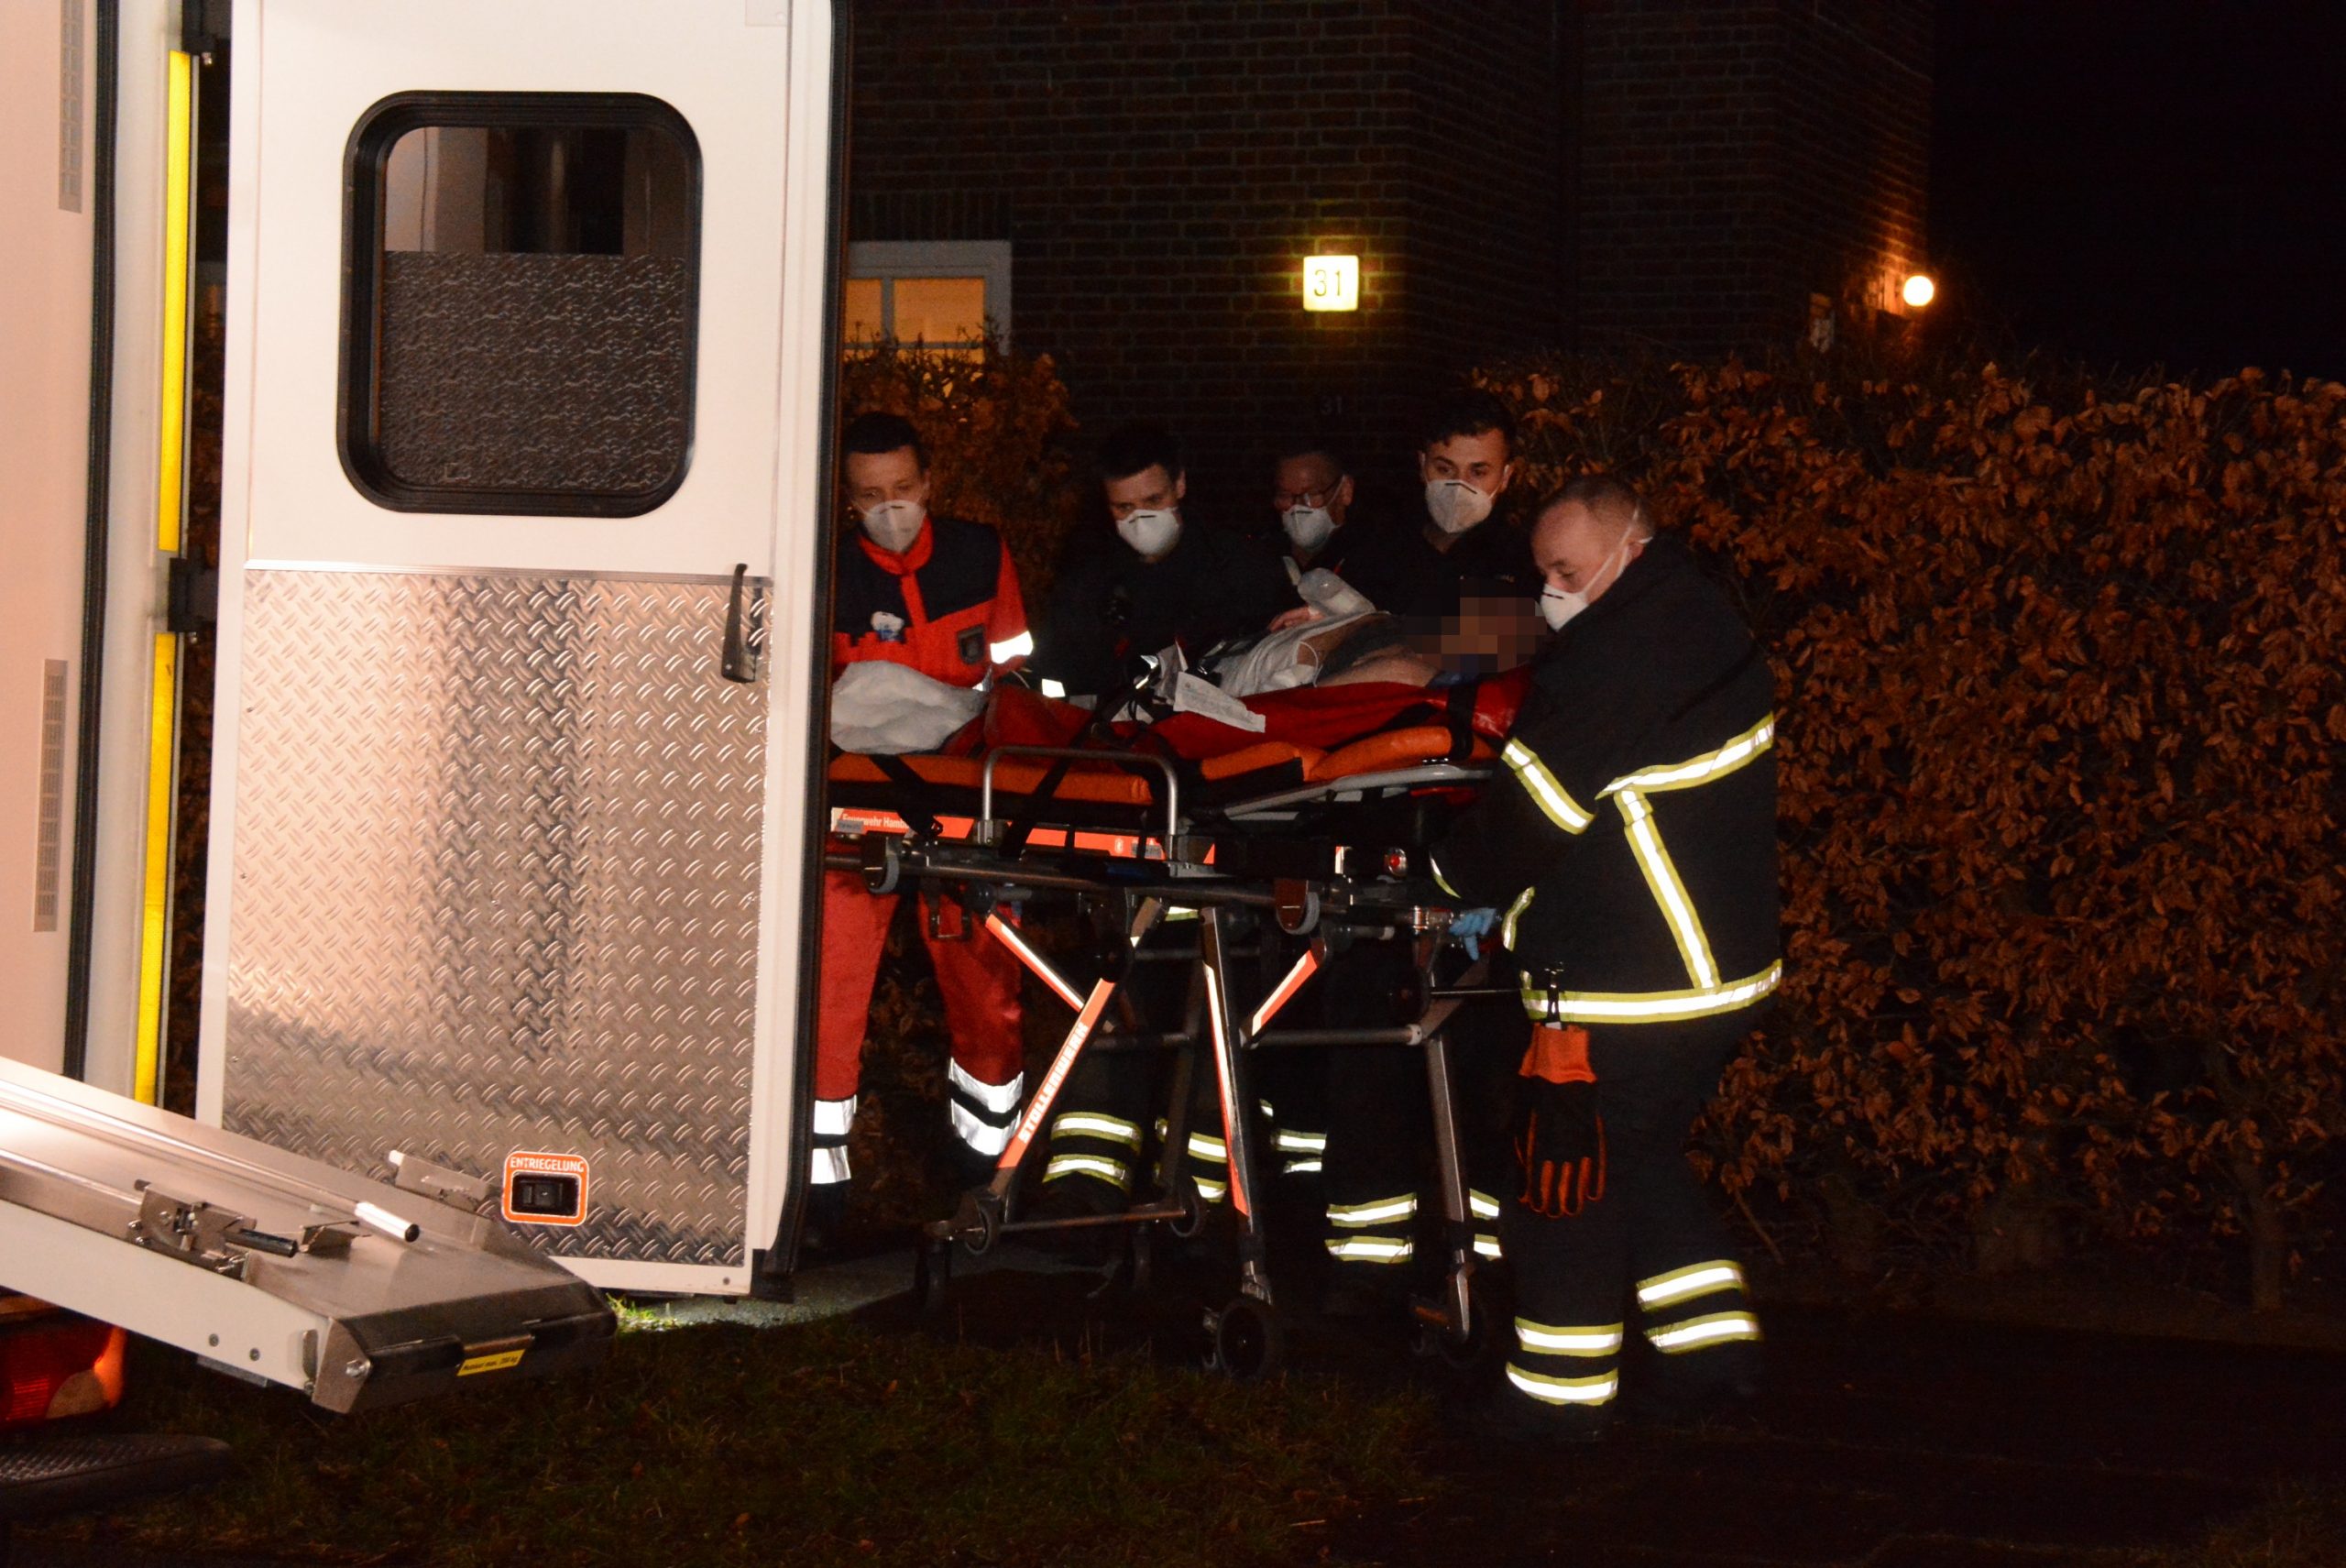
x=1331, y=282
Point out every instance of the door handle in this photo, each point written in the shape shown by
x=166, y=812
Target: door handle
x=745, y=628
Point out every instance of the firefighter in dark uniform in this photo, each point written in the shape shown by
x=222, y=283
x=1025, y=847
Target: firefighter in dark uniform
x=1632, y=848
x=1466, y=460
x=1161, y=581
x=942, y=598
x=1375, y=1111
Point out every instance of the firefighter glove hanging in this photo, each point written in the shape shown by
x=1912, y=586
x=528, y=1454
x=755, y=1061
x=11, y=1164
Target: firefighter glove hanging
x=1559, y=1137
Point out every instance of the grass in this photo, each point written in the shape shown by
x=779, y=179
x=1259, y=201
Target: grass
x=814, y=1445
x=2297, y=1527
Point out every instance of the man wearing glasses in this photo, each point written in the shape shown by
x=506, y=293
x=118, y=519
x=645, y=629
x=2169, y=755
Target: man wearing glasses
x=1312, y=494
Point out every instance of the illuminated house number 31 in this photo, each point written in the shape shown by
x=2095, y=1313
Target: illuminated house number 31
x=1332, y=283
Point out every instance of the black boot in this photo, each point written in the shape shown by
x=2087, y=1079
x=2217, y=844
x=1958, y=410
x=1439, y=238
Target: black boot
x=1496, y=1414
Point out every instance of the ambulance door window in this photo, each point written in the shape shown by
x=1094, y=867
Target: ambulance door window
x=518, y=316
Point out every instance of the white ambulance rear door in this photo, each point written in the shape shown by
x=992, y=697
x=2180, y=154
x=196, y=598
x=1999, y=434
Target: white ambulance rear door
x=520, y=600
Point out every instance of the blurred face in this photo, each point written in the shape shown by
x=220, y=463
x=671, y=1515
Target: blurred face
x=1481, y=460
x=874, y=477
x=1151, y=489
x=1311, y=482
x=1493, y=632
x=1579, y=551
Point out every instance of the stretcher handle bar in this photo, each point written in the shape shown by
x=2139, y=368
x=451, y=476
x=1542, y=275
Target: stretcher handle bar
x=1140, y=1214
x=1167, y=1041
x=1069, y=753
x=1188, y=894
x=1423, y=776
x=1391, y=1035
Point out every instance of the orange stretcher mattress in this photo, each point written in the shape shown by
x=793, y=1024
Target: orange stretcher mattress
x=1091, y=782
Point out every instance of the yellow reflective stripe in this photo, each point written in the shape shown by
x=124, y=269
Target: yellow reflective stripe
x=1486, y=1246
x=1108, y=1170
x=1352, y=1216
x=1482, y=1205
x=1087, y=1124
x=1695, y=1333
x=1661, y=877
x=1371, y=1249
x=1213, y=1192
x=1553, y=798
x=1441, y=881
x=1546, y=1339
x=1206, y=1148
x=1514, y=912
x=1685, y=1283
x=1597, y=1390
x=1300, y=1167
x=1647, y=1006
x=1301, y=1143
x=1705, y=768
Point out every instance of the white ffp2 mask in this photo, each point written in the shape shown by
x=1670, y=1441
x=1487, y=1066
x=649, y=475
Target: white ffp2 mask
x=893, y=525
x=1558, y=606
x=1309, y=527
x=1455, y=505
x=1152, y=532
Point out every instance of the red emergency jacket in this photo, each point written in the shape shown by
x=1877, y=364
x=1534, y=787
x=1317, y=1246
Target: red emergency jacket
x=948, y=604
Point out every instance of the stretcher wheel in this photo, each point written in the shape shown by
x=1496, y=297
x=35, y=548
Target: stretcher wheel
x=980, y=1237
x=1192, y=1218
x=1485, y=1339
x=1249, y=1342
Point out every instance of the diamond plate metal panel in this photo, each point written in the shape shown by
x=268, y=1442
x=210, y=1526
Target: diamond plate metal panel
x=497, y=862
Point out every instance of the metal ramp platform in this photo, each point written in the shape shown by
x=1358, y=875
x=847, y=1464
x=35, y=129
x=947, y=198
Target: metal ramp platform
x=271, y=1266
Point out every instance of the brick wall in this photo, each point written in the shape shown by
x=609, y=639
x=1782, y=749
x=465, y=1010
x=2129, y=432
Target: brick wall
x=1161, y=169
x=1735, y=157
x=1676, y=174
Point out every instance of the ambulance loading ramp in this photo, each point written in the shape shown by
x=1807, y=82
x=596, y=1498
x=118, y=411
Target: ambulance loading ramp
x=271, y=1265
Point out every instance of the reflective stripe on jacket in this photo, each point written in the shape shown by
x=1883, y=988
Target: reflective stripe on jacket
x=1638, y=809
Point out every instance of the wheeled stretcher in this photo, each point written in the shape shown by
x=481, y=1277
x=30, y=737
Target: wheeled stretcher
x=1281, y=852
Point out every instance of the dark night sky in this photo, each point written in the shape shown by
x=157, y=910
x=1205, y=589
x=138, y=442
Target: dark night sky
x=2140, y=182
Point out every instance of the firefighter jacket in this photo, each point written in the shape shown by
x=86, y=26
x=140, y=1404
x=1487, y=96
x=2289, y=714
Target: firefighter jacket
x=1402, y=573
x=1632, y=836
x=1110, y=603
x=948, y=604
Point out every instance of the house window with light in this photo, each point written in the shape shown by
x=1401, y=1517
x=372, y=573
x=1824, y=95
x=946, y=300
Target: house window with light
x=940, y=294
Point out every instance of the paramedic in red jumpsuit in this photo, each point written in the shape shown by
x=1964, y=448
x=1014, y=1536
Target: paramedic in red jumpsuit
x=941, y=596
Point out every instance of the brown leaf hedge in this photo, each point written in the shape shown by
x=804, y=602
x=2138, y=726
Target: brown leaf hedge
x=2058, y=665
x=2061, y=712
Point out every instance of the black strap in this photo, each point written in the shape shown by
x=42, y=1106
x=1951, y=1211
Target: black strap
x=914, y=803
x=1458, y=716
x=1104, y=711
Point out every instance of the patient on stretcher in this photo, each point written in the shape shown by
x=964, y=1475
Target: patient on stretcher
x=1320, y=684
x=1492, y=634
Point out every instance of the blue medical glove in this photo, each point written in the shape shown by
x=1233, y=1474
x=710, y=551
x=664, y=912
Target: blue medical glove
x=1469, y=927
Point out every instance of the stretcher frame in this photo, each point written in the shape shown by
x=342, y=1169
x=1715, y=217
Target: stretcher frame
x=989, y=865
